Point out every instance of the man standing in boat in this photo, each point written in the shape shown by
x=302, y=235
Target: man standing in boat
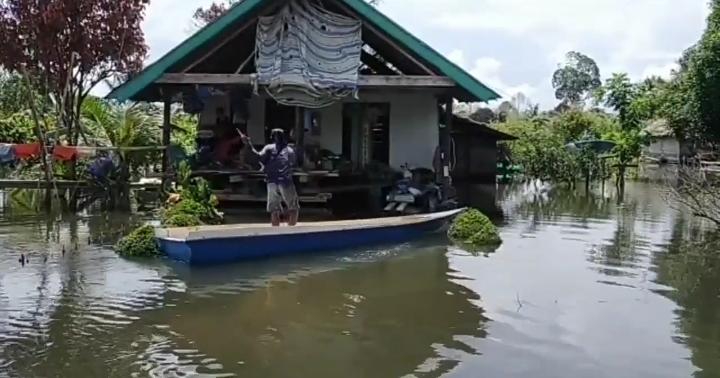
x=278, y=160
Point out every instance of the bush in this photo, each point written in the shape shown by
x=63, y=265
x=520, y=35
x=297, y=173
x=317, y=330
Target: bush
x=204, y=213
x=140, y=243
x=475, y=229
x=183, y=220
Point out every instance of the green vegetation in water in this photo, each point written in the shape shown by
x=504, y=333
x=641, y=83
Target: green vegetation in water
x=188, y=209
x=196, y=207
x=183, y=220
x=472, y=228
x=140, y=243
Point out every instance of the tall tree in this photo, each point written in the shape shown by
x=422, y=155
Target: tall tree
x=703, y=71
x=204, y=16
x=66, y=47
x=575, y=80
x=621, y=95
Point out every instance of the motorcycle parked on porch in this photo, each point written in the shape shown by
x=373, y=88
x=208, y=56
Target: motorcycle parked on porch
x=416, y=193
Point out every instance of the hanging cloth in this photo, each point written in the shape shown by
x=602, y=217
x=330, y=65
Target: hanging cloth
x=28, y=151
x=86, y=152
x=63, y=153
x=7, y=153
x=101, y=168
x=308, y=56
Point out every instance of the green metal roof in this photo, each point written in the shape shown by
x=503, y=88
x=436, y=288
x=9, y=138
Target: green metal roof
x=247, y=8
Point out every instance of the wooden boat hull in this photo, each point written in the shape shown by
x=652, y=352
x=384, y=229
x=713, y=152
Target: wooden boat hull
x=218, y=246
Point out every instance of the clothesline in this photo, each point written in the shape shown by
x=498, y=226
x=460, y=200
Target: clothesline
x=10, y=152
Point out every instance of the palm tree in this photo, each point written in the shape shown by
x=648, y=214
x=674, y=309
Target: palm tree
x=111, y=124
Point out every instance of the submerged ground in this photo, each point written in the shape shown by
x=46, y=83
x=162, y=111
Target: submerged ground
x=582, y=287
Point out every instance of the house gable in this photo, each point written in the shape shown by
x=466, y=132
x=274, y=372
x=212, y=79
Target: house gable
x=246, y=10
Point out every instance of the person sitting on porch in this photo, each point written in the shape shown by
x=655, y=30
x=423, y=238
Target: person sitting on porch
x=228, y=150
x=278, y=160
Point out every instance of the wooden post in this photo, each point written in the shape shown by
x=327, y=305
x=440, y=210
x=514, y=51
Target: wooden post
x=300, y=135
x=445, y=150
x=167, y=129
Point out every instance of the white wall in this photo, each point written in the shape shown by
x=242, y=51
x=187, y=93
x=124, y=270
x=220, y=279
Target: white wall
x=664, y=147
x=414, y=131
x=256, y=121
x=331, y=128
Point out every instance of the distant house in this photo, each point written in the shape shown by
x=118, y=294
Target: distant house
x=476, y=150
x=664, y=146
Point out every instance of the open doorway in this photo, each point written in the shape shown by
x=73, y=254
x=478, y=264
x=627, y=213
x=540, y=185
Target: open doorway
x=279, y=116
x=366, y=133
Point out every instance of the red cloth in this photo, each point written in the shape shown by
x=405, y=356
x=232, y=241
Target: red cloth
x=64, y=153
x=27, y=151
x=226, y=148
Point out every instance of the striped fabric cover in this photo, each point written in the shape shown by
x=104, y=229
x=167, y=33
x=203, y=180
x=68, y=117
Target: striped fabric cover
x=308, y=56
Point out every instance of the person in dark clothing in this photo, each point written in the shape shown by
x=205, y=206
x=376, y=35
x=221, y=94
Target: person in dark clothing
x=278, y=160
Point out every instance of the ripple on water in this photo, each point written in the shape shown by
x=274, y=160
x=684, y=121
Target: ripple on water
x=82, y=294
x=161, y=358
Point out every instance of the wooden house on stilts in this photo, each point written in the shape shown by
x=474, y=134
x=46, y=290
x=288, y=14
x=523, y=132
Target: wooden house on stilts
x=388, y=116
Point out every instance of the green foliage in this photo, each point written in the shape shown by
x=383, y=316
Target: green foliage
x=633, y=104
x=541, y=146
x=140, y=243
x=17, y=128
x=185, y=132
x=474, y=228
x=620, y=94
x=574, y=125
x=196, y=207
x=197, y=199
x=628, y=144
x=183, y=220
x=203, y=212
x=678, y=107
x=195, y=188
x=703, y=75
x=122, y=125
x=13, y=97
x=578, y=77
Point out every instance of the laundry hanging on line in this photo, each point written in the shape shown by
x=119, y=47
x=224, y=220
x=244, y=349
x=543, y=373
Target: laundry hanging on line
x=27, y=151
x=64, y=153
x=86, y=152
x=10, y=152
x=7, y=153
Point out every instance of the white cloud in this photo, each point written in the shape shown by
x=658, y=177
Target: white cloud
x=167, y=23
x=663, y=71
x=637, y=37
x=489, y=70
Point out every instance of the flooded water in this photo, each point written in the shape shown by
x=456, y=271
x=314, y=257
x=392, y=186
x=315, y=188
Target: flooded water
x=582, y=287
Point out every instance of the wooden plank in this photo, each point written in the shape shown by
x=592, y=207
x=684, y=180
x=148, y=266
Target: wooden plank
x=363, y=80
x=62, y=184
x=166, y=131
x=259, y=174
x=320, y=198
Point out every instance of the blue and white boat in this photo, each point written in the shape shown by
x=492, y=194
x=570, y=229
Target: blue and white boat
x=207, y=245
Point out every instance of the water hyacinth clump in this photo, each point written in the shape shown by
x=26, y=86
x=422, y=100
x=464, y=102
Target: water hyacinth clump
x=140, y=243
x=475, y=229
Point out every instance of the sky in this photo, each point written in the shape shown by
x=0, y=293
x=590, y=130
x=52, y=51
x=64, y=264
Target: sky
x=514, y=45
